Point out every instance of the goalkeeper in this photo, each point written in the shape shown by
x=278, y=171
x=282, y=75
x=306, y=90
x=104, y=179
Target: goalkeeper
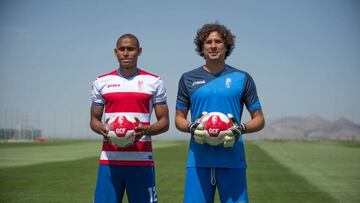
x=216, y=87
x=126, y=166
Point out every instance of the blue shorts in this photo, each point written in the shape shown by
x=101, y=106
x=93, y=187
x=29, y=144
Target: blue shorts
x=201, y=183
x=138, y=181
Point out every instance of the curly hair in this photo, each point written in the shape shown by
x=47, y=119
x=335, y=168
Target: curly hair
x=204, y=32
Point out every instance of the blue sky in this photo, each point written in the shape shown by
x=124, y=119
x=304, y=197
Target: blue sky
x=303, y=55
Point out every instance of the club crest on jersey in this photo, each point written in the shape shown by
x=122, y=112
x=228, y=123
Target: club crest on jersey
x=140, y=85
x=228, y=82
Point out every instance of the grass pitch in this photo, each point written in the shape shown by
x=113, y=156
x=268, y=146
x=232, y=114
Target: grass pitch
x=65, y=171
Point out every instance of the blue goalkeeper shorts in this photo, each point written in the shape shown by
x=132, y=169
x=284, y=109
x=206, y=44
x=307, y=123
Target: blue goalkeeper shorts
x=200, y=185
x=137, y=181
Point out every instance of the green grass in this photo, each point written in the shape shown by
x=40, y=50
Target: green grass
x=270, y=181
x=333, y=167
x=170, y=172
x=65, y=171
x=22, y=154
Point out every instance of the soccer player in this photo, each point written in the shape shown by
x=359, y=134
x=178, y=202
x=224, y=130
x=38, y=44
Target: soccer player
x=216, y=87
x=135, y=92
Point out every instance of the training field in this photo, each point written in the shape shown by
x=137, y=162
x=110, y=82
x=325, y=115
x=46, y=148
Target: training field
x=65, y=171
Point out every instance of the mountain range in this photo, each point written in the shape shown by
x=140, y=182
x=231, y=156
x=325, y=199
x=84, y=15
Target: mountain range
x=309, y=128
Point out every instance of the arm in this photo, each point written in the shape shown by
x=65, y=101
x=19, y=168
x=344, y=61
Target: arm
x=181, y=121
x=96, y=125
x=162, y=124
x=256, y=123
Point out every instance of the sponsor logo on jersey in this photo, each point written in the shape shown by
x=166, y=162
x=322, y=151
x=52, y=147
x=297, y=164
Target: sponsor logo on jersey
x=113, y=85
x=198, y=82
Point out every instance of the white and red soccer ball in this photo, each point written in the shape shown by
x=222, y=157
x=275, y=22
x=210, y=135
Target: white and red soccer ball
x=215, y=122
x=123, y=125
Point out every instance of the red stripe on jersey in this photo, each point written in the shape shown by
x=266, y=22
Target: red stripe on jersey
x=140, y=146
x=127, y=163
x=130, y=102
x=142, y=72
x=111, y=73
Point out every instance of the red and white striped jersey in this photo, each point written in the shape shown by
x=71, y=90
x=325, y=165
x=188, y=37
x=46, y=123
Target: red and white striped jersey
x=134, y=96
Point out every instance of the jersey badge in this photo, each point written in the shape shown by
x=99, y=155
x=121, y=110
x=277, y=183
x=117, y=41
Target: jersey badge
x=140, y=85
x=228, y=82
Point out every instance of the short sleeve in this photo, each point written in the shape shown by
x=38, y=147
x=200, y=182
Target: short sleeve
x=182, y=101
x=160, y=95
x=250, y=97
x=96, y=96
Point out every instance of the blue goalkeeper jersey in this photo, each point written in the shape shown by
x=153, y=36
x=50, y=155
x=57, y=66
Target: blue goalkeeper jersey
x=226, y=91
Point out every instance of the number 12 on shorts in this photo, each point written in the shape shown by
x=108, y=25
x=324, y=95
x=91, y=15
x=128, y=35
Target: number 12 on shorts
x=152, y=194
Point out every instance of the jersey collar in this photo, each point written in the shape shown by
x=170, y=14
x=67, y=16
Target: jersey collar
x=131, y=76
x=226, y=67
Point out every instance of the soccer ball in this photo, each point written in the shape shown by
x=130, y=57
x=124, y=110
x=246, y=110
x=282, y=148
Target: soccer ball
x=215, y=122
x=123, y=125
